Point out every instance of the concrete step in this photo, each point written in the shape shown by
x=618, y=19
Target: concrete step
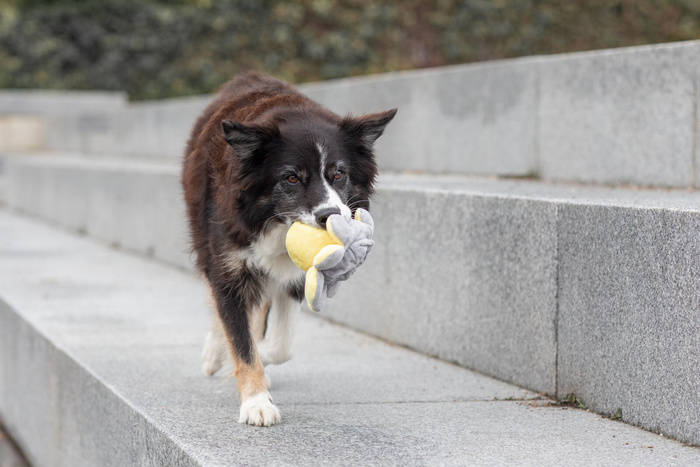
x=135, y=204
x=560, y=289
x=99, y=365
x=58, y=119
x=622, y=116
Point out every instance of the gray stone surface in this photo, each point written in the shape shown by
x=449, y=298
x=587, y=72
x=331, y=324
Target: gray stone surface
x=465, y=119
x=465, y=277
x=74, y=120
x=629, y=329
x=83, y=130
x=35, y=102
x=617, y=116
x=136, y=205
x=466, y=269
x=620, y=116
x=492, y=310
x=99, y=365
x=626, y=294
x=623, y=116
x=158, y=128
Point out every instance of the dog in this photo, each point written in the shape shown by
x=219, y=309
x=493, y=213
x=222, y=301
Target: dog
x=261, y=156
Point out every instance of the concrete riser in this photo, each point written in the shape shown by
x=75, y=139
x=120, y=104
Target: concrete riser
x=137, y=210
x=470, y=279
x=554, y=295
x=54, y=402
x=629, y=328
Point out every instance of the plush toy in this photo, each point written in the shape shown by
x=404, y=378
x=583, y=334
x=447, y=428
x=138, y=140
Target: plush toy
x=329, y=256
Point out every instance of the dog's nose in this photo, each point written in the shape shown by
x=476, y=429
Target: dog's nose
x=323, y=214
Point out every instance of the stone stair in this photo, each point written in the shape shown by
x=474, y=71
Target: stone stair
x=100, y=365
x=559, y=255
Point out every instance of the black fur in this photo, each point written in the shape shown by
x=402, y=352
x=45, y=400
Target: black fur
x=253, y=162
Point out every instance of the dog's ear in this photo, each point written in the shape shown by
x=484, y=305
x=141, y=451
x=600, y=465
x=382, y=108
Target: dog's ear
x=244, y=139
x=367, y=127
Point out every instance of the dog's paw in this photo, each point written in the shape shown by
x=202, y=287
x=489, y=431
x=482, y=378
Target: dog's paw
x=259, y=411
x=213, y=355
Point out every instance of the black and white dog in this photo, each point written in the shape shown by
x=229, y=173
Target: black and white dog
x=261, y=157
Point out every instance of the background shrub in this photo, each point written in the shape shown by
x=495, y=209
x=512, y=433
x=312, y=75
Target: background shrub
x=156, y=49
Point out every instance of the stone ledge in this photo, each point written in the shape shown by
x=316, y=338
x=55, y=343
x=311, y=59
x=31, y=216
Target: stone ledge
x=99, y=365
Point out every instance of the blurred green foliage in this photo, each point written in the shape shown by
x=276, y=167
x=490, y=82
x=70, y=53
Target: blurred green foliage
x=178, y=47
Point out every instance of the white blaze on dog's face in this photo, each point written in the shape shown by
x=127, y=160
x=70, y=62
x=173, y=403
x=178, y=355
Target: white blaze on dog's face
x=311, y=167
x=332, y=204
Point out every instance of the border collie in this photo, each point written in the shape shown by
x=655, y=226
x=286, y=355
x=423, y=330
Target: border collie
x=260, y=157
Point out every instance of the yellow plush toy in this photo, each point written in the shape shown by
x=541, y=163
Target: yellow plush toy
x=331, y=255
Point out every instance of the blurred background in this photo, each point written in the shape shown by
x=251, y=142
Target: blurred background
x=155, y=49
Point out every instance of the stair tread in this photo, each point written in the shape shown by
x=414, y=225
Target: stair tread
x=135, y=327
x=543, y=190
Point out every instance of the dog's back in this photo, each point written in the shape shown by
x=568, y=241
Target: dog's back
x=242, y=91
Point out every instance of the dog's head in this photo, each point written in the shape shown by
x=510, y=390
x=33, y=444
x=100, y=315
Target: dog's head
x=304, y=165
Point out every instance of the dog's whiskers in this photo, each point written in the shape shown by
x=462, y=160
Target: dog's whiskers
x=355, y=203
x=280, y=214
x=352, y=197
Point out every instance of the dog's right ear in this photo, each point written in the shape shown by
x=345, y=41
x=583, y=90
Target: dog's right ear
x=367, y=127
x=244, y=139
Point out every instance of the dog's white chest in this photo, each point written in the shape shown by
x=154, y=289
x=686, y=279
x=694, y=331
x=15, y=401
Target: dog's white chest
x=269, y=253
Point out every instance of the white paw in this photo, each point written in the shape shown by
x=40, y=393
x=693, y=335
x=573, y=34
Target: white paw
x=271, y=354
x=213, y=355
x=259, y=411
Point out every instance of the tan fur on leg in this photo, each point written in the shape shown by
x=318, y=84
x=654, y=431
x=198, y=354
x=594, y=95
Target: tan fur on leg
x=256, y=407
x=250, y=379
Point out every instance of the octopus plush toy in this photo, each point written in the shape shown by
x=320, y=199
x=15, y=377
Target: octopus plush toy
x=329, y=256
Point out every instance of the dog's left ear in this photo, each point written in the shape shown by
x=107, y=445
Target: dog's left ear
x=245, y=139
x=367, y=127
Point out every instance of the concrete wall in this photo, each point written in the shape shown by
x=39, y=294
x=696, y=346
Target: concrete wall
x=621, y=116
x=463, y=119
x=77, y=120
x=624, y=116
x=15, y=101
x=157, y=129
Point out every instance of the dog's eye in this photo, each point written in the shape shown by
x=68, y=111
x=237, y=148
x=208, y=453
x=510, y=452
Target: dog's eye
x=292, y=179
x=338, y=175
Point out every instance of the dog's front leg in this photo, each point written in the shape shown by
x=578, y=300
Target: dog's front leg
x=216, y=348
x=256, y=403
x=275, y=347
